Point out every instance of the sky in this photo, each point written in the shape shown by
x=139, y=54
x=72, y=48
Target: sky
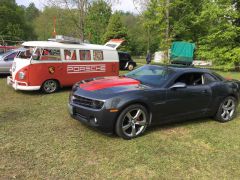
x=124, y=5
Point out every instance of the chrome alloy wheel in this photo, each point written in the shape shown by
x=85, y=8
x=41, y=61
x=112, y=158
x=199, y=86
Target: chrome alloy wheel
x=50, y=86
x=228, y=109
x=134, y=122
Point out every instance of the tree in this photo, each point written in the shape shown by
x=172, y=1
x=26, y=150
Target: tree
x=65, y=25
x=97, y=20
x=116, y=30
x=31, y=12
x=77, y=10
x=137, y=34
x=154, y=20
x=12, y=22
x=221, y=43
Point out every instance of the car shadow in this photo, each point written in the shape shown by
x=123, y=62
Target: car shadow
x=173, y=125
x=39, y=92
x=2, y=76
x=152, y=129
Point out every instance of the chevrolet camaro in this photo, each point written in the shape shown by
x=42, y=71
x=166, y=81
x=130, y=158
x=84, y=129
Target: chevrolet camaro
x=152, y=95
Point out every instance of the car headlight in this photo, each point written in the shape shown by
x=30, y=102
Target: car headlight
x=21, y=75
x=97, y=104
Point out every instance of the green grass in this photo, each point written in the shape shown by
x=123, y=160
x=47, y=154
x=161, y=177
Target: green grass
x=39, y=140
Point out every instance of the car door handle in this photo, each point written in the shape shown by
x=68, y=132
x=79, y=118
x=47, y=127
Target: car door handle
x=205, y=91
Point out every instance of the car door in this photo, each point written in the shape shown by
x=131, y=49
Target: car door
x=189, y=102
x=6, y=62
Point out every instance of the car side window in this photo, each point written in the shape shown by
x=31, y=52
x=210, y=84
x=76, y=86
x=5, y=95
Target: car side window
x=191, y=79
x=209, y=78
x=123, y=57
x=10, y=57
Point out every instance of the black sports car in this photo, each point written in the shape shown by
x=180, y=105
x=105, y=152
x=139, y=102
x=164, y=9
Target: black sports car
x=151, y=95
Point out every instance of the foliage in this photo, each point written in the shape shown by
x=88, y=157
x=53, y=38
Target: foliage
x=11, y=21
x=97, y=20
x=221, y=42
x=137, y=34
x=15, y=26
x=64, y=23
x=116, y=30
x=212, y=25
x=153, y=21
x=31, y=12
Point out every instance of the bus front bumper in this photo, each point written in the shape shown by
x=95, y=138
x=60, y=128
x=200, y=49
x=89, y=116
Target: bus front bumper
x=19, y=85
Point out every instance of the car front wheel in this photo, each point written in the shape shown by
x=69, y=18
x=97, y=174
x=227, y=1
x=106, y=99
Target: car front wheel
x=132, y=121
x=227, y=109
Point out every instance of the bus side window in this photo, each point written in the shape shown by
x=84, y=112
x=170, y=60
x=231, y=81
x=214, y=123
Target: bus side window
x=70, y=55
x=98, y=55
x=50, y=54
x=85, y=55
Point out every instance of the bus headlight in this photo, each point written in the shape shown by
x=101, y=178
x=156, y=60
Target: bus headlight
x=21, y=75
x=13, y=66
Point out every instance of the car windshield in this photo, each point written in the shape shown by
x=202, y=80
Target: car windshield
x=151, y=75
x=6, y=53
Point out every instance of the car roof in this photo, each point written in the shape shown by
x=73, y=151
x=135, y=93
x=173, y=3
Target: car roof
x=182, y=68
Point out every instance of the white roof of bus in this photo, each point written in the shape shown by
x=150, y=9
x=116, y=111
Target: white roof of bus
x=52, y=44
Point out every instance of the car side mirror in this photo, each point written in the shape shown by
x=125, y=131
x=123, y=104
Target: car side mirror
x=178, y=85
x=6, y=59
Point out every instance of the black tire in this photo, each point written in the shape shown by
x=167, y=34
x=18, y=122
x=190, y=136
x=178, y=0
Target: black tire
x=50, y=86
x=133, y=125
x=227, y=110
x=130, y=67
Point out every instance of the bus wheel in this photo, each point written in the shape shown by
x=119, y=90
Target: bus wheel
x=50, y=86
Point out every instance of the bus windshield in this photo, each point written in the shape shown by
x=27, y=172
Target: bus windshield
x=26, y=54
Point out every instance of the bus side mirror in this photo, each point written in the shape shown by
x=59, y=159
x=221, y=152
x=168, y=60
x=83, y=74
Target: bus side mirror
x=35, y=57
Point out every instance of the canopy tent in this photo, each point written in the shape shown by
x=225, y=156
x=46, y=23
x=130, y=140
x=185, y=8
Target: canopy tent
x=182, y=52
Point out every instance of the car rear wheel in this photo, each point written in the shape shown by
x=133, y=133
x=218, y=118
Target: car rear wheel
x=132, y=121
x=227, y=109
x=130, y=67
x=50, y=86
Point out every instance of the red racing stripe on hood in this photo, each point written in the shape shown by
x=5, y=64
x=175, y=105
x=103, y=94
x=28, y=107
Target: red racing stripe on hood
x=108, y=82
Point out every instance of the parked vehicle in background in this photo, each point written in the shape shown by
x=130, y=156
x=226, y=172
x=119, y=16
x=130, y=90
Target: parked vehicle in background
x=152, y=95
x=126, y=61
x=49, y=65
x=6, y=60
x=4, y=49
x=202, y=63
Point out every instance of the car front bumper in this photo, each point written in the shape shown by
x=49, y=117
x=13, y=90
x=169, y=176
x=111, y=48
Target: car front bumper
x=102, y=119
x=19, y=85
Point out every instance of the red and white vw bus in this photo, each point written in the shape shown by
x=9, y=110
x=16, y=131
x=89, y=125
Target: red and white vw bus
x=48, y=65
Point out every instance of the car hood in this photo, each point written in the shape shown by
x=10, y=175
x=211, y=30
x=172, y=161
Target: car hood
x=107, y=85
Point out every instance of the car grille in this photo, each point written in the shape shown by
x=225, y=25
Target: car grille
x=86, y=102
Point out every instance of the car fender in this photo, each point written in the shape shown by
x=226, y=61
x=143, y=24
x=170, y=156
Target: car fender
x=126, y=65
x=127, y=101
